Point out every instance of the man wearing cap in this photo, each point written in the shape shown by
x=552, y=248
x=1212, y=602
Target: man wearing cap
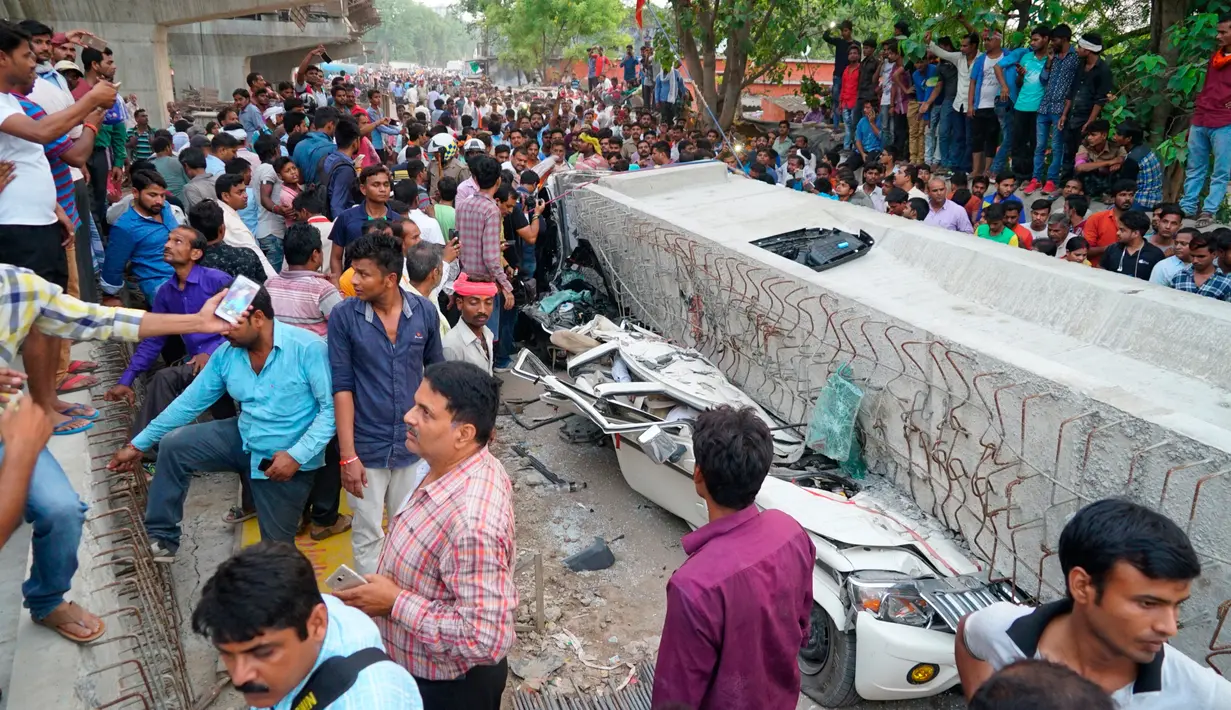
x=469, y=188
x=473, y=342
x=1091, y=86
x=61, y=49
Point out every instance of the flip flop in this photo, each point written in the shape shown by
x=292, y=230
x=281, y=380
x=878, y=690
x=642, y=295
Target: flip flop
x=76, y=383
x=72, y=426
x=1204, y=220
x=79, y=366
x=81, y=411
x=64, y=614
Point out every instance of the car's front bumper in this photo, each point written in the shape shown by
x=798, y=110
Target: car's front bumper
x=885, y=654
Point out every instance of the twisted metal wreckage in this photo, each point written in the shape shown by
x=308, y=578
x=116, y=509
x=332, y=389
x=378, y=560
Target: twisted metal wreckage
x=951, y=428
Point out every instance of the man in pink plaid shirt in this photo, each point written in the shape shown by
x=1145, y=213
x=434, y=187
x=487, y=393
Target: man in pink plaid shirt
x=444, y=596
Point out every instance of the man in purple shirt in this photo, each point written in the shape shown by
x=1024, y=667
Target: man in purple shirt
x=190, y=288
x=738, y=608
x=943, y=212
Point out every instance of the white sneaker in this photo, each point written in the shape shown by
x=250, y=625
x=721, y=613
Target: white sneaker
x=161, y=553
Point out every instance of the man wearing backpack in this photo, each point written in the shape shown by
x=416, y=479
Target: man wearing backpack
x=337, y=170
x=316, y=144
x=284, y=642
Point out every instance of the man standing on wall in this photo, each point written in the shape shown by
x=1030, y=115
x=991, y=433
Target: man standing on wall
x=1210, y=134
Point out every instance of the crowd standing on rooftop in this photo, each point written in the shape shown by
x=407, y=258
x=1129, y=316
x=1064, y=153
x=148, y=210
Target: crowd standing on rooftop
x=395, y=221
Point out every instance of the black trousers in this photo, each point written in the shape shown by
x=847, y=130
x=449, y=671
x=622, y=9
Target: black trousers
x=87, y=284
x=326, y=493
x=99, y=168
x=1023, y=144
x=479, y=689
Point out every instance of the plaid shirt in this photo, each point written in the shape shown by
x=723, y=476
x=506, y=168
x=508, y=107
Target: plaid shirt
x=26, y=301
x=1149, y=177
x=450, y=548
x=1217, y=286
x=478, y=227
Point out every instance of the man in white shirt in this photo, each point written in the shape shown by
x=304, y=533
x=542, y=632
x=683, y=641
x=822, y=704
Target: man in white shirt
x=1127, y=569
x=471, y=340
x=232, y=197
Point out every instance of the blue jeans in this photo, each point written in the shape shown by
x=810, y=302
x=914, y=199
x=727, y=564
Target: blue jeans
x=1047, y=133
x=57, y=514
x=217, y=446
x=271, y=246
x=931, y=137
x=1004, y=114
x=1201, y=142
x=885, y=121
x=503, y=330
x=848, y=139
x=958, y=148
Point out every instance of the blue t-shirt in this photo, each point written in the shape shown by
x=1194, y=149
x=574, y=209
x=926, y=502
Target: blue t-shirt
x=866, y=136
x=630, y=68
x=925, y=83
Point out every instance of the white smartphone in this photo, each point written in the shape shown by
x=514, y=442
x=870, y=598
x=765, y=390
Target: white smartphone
x=239, y=296
x=344, y=578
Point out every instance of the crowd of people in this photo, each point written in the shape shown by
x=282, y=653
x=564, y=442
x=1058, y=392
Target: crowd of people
x=394, y=223
x=1009, y=144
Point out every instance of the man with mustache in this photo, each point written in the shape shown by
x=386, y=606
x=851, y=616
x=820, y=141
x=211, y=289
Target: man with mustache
x=184, y=293
x=1127, y=569
x=281, y=639
x=444, y=595
x=472, y=341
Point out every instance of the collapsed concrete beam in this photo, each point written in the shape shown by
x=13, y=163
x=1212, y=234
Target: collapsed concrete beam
x=1003, y=388
x=145, y=12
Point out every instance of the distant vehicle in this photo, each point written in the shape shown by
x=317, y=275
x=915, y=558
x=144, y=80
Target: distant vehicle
x=456, y=65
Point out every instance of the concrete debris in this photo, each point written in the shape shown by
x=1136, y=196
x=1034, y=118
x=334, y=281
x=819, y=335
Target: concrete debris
x=597, y=556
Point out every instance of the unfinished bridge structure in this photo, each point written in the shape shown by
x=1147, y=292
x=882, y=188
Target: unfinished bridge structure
x=1004, y=389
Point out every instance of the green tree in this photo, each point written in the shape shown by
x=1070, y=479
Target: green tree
x=532, y=34
x=751, y=36
x=410, y=32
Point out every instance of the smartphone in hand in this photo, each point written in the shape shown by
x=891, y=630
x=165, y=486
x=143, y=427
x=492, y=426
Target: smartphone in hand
x=344, y=578
x=240, y=295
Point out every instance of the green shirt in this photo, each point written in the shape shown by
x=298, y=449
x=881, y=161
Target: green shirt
x=1032, y=88
x=446, y=217
x=171, y=171
x=1006, y=235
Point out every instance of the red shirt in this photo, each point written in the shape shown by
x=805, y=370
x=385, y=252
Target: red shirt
x=850, y=86
x=1102, y=229
x=1211, y=109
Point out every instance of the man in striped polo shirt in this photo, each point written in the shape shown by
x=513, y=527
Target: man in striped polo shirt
x=301, y=294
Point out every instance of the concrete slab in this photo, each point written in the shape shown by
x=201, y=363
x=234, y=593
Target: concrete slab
x=1003, y=388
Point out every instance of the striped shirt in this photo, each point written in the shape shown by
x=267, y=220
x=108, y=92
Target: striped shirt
x=60, y=172
x=142, y=149
x=303, y=299
x=380, y=686
x=450, y=548
x=26, y=301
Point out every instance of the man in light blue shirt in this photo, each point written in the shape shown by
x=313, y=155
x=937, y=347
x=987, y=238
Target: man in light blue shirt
x=278, y=375
x=280, y=638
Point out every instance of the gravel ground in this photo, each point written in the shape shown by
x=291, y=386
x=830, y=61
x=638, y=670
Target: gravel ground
x=616, y=614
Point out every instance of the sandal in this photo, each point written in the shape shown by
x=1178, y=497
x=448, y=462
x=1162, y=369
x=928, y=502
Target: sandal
x=76, y=383
x=80, y=411
x=68, y=613
x=237, y=515
x=79, y=366
x=75, y=425
x=1204, y=220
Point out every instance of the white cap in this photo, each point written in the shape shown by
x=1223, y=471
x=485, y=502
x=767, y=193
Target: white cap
x=67, y=65
x=474, y=144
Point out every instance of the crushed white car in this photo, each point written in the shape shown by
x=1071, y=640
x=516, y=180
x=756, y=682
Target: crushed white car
x=888, y=594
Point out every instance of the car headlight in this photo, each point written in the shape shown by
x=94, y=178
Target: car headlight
x=889, y=596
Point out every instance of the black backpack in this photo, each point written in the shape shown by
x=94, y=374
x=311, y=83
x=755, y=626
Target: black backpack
x=334, y=677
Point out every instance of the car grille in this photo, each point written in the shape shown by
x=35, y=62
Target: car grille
x=951, y=598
